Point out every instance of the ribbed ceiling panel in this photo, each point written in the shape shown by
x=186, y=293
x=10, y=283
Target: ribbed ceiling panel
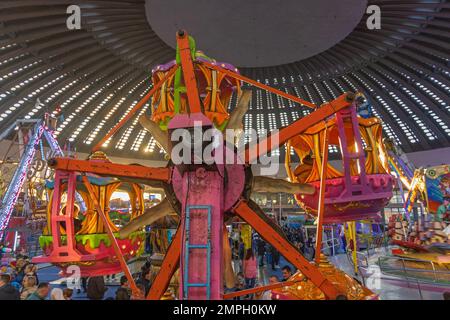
x=98, y=73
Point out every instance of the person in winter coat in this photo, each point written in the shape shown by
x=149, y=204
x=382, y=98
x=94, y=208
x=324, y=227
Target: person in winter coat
x=8, y=291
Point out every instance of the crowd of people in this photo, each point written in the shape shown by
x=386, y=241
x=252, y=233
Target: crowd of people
x=249, y=261
x=95, y=287
x=19, y=281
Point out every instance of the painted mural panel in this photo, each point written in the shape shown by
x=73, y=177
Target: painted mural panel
x=438, y=190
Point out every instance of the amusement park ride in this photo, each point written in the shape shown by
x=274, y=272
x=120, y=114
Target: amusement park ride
x=193, y=90
x=423, y=238
x=31, y=135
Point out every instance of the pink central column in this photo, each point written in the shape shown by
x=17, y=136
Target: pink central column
x=202, y=188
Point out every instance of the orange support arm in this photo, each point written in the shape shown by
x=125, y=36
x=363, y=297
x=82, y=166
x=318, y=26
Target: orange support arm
x=259, y=85
x=111, y=236
x=286, y=249
x=135, y=109
x=188, y=72
x=111, y=169
x=323, y=179
x=168, y=268
x=284, y=134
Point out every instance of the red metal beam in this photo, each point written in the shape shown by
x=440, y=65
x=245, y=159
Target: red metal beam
x=135, y=109
x=168, y=268
x=112, y=169
x=286, y=249
x=254, y=151
x=188, y=72
x=115, y=245
x=259, y=85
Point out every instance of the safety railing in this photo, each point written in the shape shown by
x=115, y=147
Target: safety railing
x=398, y=266
x=377, y=243
x=430, y=273
x=332, y=245
x=362, y=257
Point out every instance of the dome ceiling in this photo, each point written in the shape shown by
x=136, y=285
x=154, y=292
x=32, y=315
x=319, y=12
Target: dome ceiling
x=100, y=72
x=256, y=33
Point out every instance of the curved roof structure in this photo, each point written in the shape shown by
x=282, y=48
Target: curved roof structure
x=98, y=73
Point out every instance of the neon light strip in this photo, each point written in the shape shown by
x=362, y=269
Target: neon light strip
x=10, y=198
x=53, y=143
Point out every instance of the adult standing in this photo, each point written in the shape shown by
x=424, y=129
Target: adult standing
x=146, y=280
x=241, y=250
x=31, y=270
x=96, y=288
x=20, y=270
x=261, y=249
x=8, y=291
x=57, y=294
x=287, y=273
x=275, y=257
x=123, y=293
x=250, y=269
x=29, y=286
x=267, y=295
x=67, y=293
x=235, y=257
x=442, y=210
x=41, y=293
x=342, y=238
